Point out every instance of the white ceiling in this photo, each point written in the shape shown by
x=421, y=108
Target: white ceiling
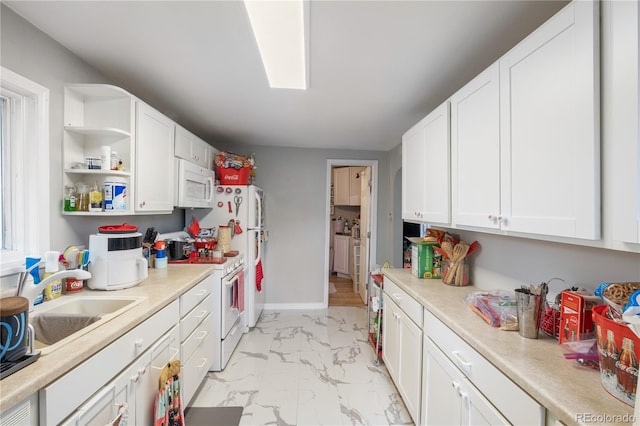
x=377, y=67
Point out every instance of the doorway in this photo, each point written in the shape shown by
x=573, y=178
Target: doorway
x=350, y=241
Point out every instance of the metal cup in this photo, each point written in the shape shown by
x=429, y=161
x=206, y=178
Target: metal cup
x=529, y=308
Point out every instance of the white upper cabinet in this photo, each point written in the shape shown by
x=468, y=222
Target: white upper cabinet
x=341, y=186
x=549, y=111
x=354, y=186
x=425, y=169
x=475, y=152
x=192, y=148
x=154, y=161
x=624, y=136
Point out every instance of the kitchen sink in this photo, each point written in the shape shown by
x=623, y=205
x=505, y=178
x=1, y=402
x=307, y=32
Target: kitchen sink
x=63, y=320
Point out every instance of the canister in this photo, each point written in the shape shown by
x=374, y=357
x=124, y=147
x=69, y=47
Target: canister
x=224, y=238
x=14, y=320
x=115, y=193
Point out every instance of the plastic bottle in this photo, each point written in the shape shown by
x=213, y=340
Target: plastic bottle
x=95, y=199
x=53, y=290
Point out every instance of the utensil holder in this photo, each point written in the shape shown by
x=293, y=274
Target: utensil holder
x=455, y=273
x=528, y=307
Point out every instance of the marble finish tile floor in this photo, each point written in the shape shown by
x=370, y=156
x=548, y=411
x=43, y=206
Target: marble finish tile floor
x=311, y=367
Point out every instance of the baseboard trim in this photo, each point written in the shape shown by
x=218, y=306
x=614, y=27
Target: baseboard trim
x=292, y=306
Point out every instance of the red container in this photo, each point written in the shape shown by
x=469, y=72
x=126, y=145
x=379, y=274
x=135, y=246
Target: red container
x=231, y=176
x=619, y=351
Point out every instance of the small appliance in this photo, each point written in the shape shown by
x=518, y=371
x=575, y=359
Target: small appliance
x=195, y=185
x=116, y=261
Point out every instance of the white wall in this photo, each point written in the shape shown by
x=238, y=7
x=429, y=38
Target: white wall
x=27, y=51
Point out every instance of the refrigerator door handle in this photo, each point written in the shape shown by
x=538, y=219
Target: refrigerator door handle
x=259, y=208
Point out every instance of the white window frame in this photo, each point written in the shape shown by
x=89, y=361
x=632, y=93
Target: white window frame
x=29, y=154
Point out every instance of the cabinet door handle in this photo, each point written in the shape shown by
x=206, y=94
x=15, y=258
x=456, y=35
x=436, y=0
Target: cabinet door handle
x=135, y=378
x=139, y=343
x=143, y=203
x=462, y=363
x=397, y=296
x=204, y=361
x=142, y=371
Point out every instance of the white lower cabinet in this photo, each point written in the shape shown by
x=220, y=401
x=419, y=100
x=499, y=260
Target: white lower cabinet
x=24, y=413
x=136, y=386
x=341, y=254
x=461, y=387
x=125, y=371
x=449, y=398
x=196, y=336
x=402, y=350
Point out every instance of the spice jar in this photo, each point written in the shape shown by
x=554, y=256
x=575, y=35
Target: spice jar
x=82, y=201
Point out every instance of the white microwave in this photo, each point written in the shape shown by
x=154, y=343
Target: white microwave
x=195, y=185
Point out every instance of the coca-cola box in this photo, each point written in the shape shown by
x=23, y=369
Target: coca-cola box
x=576, y=321
x=618, y=348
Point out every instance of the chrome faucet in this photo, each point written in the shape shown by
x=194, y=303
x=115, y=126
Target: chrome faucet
x=26, y=287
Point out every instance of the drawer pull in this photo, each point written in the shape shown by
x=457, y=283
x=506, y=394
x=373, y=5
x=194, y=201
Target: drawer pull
x=203, y=335
x=464, y=365
x=201, y=293
x=204, y=361
x=397, y=296
x=139, y=343
x=203, y=314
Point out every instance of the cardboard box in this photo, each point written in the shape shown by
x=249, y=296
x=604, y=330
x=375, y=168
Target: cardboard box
x=618, y=351
x=575, y=314
x=425, y=263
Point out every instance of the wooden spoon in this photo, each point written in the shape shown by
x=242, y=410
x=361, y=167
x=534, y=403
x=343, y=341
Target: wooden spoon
x=447, y=247
x=460, y=266
x=455, y=255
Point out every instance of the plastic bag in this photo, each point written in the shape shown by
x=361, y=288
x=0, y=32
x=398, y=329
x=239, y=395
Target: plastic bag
x=496, y=307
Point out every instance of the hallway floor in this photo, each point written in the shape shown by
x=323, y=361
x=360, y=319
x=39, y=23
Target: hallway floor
x=312, y=367
x=344, y=295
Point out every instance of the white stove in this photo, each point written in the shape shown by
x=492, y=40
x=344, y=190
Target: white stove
x=228, y=300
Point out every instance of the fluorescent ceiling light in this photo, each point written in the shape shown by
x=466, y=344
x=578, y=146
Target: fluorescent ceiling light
x=281, y=29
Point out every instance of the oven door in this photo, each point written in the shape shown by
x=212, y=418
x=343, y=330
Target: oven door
x=232, y=300
x=195, y=185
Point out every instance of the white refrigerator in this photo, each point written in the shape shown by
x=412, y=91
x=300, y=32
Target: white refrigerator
x=242, y=208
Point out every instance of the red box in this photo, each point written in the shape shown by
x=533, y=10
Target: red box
x=618, y=351
x=575, y=314
x=231, y=176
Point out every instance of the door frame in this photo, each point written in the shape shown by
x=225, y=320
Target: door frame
x=373, y=207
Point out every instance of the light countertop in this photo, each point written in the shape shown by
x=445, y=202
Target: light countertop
x=161, y=288
x=573, y=394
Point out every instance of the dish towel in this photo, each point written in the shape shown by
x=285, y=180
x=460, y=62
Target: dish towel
x=259, y=275
x=168, y=410
x=241, y=292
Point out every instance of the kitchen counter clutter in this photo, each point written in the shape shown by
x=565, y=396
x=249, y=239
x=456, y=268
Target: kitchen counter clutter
x=570, y=394
x=159, y=290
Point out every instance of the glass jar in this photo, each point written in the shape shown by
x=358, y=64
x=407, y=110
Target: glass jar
x=82, y=200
